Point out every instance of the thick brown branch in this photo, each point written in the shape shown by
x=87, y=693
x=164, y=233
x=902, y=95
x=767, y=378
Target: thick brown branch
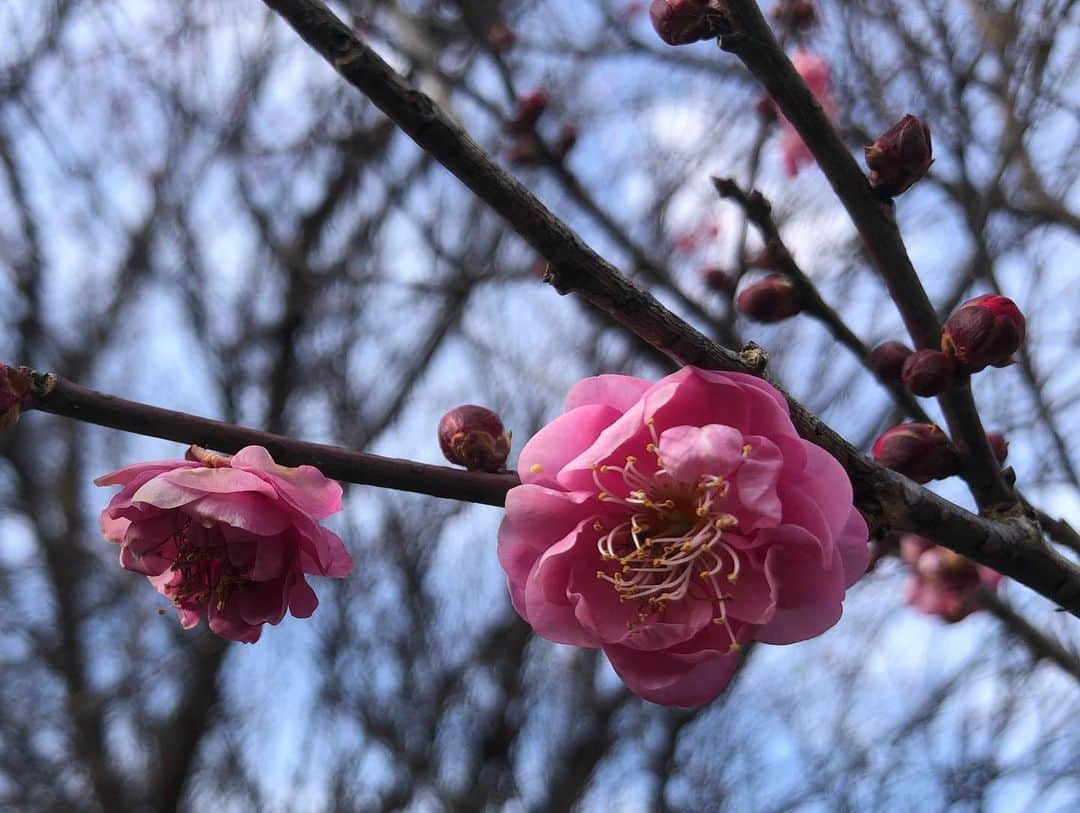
x=61, y=397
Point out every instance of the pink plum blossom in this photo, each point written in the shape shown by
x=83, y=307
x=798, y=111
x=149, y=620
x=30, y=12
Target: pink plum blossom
x=815, y=72
x=671, y=523
x=228, y=538
x=943, y=583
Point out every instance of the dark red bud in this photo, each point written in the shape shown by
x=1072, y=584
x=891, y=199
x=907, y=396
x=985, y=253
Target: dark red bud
x=473, y=436
x=502, y=37
x=920, y=451
x=900, y=156
x=798, y=15
x=998, y=445
x=680, y=22
x=887, y=362
x=530, y=108
x=568, y=136
x=984, y=331
x=773, y=299
x=767, y=109
x=928, y=372
x=719, y=280
x=14, y=394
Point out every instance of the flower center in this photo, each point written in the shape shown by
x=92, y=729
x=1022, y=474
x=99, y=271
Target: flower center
x=202, y=572
x=671, y=544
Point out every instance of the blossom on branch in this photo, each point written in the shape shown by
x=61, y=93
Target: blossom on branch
x=670, y=524
x=943, y=583
x=227, y=538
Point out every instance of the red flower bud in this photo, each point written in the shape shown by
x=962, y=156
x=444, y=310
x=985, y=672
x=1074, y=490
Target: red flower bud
x=473, y=436
x=719, y=280
x=502, y=37
x=900, y=156
x=773, y=299
x=530, y=108
x=998, y=445
x=798, y=15
x=568, y=136
x=14, y=393
x=920, y=451
x=887, y=362
x=767, y=109
x=985, y=330
x=928, y=372
x=680, y=22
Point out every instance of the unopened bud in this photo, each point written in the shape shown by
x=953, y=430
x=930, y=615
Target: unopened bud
x=998, y=445
x=567, y=138
x=984, y=331
x=502, y=37
x=719, y=280
x=912, y=547
x=14, y=392
x=887, y=362
x=473, y=436
x=530, y=108
x=773, y=299
x=766, y=108
x=920, y=451
x=680, y=22
x=900, y=156
x=928, y=372
x=798, y=15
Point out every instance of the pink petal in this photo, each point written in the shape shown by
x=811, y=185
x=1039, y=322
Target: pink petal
x=691, y=452
x=546, y=602
x=687, y=679
x=808, y=597
x=853, y=546
x=213, y=481
x=253, y=513
x=143, y=471
x=550, y=449
x=617, y=391
x=756, y=482
x=302, y=600
x=305, y=487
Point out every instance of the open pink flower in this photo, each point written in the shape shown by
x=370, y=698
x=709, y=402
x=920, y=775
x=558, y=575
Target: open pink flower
x=815, y=72
x=227, y=538
x=671, y=523
x=943, y=583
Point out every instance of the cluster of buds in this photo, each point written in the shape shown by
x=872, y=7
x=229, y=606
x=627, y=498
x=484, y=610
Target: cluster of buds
x=473, y=436
x=943, y=583
x=797, y=15
x=900, y=156
x=681, y=22
x=772, y=299
x=928, y=372
x=984, y=332
x=920, y=451
x=14, y=394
